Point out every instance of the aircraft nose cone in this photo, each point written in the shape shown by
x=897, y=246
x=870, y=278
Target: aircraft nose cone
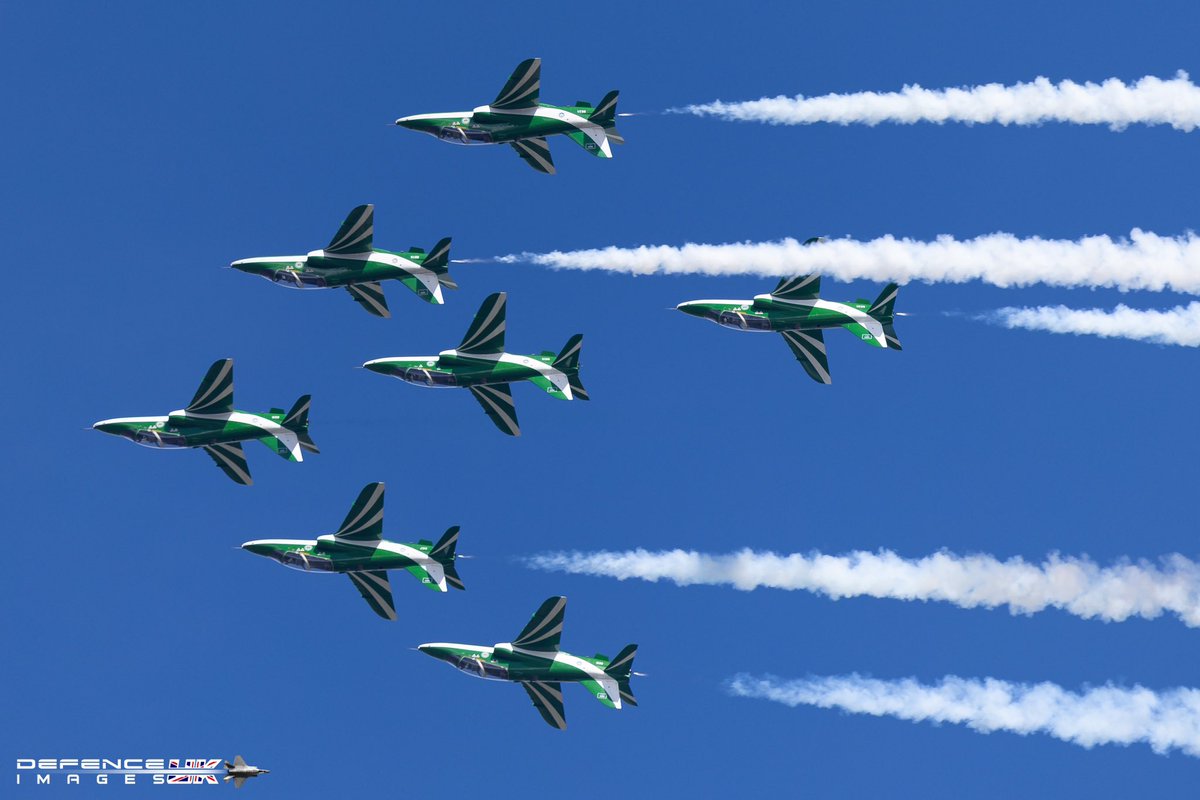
x=257, y=549
x=692, y=309
x=107, y=427
x=379, y=366
x=407, y=122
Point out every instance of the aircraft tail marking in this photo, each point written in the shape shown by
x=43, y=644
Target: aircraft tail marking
x=884, y=305
x=356, y=233
x=297, y=422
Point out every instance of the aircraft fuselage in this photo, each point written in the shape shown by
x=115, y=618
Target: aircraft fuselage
x=504, y=662
x=333, y=555
x=184, y=429
x=319, y=270
x=769, y=314
x=451, y=369
x=484, y=125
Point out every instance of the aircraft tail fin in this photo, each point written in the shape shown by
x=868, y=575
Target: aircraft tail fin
x=568, y=361
x=605, y=112
x=443, y=553
x=438, y=262
x=621, y=668
x=297, y=422
x=884, y=305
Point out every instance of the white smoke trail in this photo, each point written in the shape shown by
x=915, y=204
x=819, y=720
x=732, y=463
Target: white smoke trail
x=1143, y=261
x=1179, y=325
x=1076, y=585
x=1168, y=720
x=1148, y=101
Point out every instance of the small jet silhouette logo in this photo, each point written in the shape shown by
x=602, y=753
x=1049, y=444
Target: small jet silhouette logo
x=239, y=771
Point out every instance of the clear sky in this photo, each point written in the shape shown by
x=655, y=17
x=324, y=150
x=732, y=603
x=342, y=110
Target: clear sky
x=147, y=145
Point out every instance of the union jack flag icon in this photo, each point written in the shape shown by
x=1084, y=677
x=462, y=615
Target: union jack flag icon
x=193, y=764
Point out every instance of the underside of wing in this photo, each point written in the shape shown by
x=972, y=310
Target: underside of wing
x=536, y=153
x=374, y=587
x=498, y=404
x=370, y=296
x=809, y=348
x=232, y=461
x=547, y=699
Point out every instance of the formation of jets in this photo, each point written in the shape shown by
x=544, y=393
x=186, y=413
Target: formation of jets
x=479, y=364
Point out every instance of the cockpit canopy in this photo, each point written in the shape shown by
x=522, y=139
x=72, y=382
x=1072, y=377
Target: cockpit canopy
x=742, y=321
x=152, y=437
x=427, y=377
x=457, y=135
x=298, y=280
x=305, y=562
x=472, y=665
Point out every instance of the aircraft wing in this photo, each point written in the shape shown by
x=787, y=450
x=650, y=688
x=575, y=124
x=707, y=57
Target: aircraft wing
x=547, y=699
x=215, y=395
x=523, y=86
x=498, y=404
x=232, y=461
x=374, y=587
x=536, y=153
x=809, y=348
x=238, y=781
x=370, y=296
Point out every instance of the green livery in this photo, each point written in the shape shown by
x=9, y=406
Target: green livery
x=795, y=310
x=481, y=365
x=350, y=261
x=534, y=660
x=516, y=118
x=357, y=549
x=211, y=423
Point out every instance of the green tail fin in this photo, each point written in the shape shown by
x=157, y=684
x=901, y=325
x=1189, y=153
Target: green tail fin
x=438, y=261
x=884, y=305
x=443, y=553
x=568, y=362
x=297, y=422
x=622, y=666
x=605, y=113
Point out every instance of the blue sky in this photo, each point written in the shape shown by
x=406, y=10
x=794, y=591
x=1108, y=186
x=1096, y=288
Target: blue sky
x=152, y=144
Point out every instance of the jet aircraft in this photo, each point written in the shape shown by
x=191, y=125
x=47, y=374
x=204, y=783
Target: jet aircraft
x=359, y=550
x=211, y=423
x=795, y=310
x=534, y=661
x=516, y=117
x=481, y=365
x=351, y=261
x=239, y=771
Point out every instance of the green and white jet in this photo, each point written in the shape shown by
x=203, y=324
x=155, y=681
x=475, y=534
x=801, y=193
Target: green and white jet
x=534, y=661
x=358, y=550
x=481, y=365
x=516, y=117
x=796, y=311
x=211, y=423
x=351, y=261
